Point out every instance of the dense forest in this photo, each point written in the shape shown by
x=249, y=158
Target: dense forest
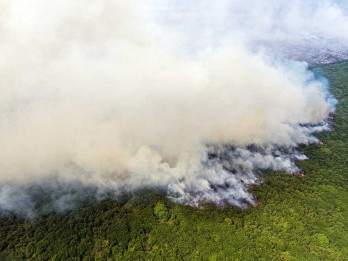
x=296, y=218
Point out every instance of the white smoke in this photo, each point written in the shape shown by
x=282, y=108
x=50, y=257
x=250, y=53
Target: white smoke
x=312, y=31
x=107, y=94
x=269, y=21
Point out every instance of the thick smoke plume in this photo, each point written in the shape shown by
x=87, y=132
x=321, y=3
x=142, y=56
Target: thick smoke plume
x=117, y=95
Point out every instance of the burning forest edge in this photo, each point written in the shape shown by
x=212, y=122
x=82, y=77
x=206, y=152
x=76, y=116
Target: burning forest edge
x=243, y=168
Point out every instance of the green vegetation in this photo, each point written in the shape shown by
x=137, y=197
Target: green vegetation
x=295, y=219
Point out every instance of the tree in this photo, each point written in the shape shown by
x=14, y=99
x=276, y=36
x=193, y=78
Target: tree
x=161, y=212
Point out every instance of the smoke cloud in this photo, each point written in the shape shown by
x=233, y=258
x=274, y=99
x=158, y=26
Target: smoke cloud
x=119, y=95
